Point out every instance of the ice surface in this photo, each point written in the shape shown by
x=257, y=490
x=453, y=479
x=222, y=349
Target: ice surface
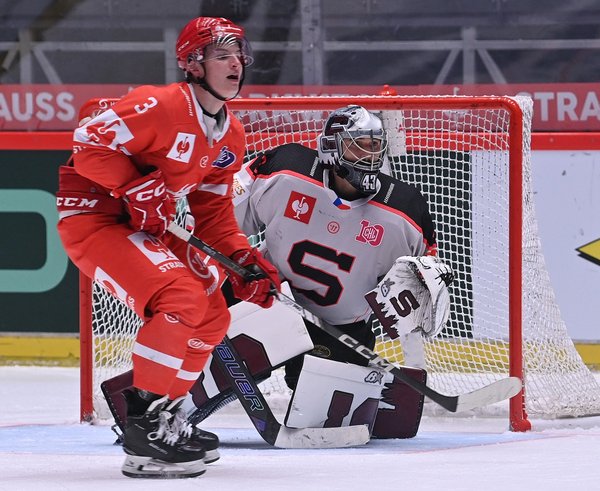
x=43, y=447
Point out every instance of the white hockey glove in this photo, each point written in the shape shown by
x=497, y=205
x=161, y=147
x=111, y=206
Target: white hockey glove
x=413, y=296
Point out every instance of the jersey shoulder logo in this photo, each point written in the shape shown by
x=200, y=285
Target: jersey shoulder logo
x=182, y=148
x=225, y=159
x=106, y=130
x=300, y=207
x=370, y=234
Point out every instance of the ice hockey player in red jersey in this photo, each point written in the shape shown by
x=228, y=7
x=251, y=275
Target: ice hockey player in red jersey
x=334, y=224
x=131, y=163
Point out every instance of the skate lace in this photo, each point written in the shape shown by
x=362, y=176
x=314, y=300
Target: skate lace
x=166, y=431
x=181, y=425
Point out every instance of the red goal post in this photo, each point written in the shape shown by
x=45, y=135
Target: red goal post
x=471, y=158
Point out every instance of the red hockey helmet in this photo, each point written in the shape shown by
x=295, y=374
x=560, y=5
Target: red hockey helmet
x=204, y=31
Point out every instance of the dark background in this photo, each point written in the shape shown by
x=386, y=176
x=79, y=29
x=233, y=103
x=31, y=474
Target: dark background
x=363, y=42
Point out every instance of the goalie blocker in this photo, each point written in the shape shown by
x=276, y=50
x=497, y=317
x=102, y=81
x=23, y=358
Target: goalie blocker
x=329, y=394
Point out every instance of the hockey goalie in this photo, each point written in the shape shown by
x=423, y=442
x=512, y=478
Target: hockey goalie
x=337, y=228
x=331, y=393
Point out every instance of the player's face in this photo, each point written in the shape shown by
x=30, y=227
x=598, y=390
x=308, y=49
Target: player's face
x=223, y=65
x=366, y=150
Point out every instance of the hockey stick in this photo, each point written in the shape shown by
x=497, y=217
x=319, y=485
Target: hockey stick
x=489, y=394
x=264, y=420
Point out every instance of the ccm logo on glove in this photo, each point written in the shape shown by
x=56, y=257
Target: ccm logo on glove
x=142, y=194
x=148, y=204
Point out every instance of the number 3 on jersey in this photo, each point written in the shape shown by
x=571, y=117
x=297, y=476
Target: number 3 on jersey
x=142, y=108
x=334, y=287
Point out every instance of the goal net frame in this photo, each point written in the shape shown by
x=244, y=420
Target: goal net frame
x=513, y=139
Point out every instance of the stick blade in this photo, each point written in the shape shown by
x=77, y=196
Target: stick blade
x=347, y=436
x=490, y=394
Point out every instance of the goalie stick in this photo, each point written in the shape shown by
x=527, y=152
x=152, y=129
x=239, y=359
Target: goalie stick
x=495, y=392
x=263, y=419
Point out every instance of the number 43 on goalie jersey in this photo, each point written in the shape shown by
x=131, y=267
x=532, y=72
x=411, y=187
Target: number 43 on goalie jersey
x=331, y=251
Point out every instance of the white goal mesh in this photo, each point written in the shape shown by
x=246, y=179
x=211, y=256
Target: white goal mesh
x=470, y=156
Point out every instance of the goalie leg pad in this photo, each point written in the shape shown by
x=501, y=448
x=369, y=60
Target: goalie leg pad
x=262, y=347
x=400, y=408
x=334, y=394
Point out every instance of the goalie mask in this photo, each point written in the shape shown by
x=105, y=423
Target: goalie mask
x=206, y=31
x=354, y=143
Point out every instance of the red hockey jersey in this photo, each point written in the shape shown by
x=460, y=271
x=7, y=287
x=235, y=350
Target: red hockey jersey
x=164, y=128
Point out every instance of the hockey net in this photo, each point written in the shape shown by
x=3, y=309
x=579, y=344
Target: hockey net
x=471, y=158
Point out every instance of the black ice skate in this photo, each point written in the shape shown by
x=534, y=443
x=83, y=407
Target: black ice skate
x=157, y=448
x=209, y=441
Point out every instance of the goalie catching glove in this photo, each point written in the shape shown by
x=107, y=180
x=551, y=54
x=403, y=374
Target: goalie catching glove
x=413, y=296
x=261, y=288
x=148, y=204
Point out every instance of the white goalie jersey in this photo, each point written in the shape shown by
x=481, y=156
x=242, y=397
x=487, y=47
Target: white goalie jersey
x=331, y=251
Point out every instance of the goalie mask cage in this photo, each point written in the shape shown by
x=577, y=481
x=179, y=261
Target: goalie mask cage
x=471, y=158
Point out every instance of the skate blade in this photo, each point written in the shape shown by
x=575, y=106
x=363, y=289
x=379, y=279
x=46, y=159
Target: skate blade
x=211, y=456
x=149, y=468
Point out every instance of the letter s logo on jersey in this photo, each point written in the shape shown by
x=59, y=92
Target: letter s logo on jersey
x=105, y=130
